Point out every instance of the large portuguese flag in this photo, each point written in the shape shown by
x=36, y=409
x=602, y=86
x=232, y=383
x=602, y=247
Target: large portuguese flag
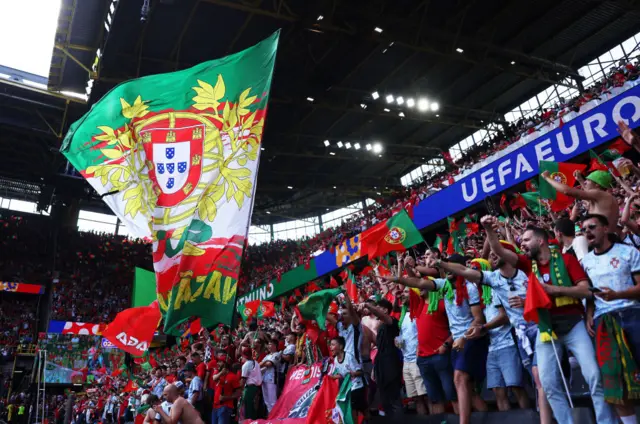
x=176, y=157
x=257, y=308
x=396, y=233
x=562, y=173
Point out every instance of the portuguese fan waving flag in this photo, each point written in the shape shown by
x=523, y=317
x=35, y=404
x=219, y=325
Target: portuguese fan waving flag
x=256, y=308
x=562, y=173
x=396, y=233
x=175, y=156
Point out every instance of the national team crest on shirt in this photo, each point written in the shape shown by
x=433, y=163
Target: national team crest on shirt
x=615, y=262
x=396, y=235
x=176, y=153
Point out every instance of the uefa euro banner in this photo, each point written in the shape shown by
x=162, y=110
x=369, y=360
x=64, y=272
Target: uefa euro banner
x=176, y=157
x=577, y=136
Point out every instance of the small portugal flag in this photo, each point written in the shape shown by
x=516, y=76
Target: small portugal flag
x=398, y=233
x=562, y=173
x=257, y=308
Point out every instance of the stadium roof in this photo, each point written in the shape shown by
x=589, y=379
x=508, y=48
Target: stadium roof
x=476, y=59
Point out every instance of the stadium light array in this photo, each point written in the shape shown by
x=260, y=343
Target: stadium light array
x=375, y=95
x=375, y=148
x=410, y=102
x=400, y=100
x=423, y=105
x=389, y=98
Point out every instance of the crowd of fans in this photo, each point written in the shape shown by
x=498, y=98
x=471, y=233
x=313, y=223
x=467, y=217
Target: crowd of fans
x=17, y=324
x=463, y=326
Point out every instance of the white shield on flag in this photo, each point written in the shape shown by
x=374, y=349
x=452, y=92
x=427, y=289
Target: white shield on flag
x=172, y=163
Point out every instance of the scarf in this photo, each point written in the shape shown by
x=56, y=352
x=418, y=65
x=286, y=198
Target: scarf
x=559, y=277
x=480, y=264
x=460, y=288
x=618, y=367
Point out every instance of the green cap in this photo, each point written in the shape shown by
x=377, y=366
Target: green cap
x=602, y=178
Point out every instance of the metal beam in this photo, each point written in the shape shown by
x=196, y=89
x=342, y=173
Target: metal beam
x=435, y=48
x=253, y=9
x=70, y=55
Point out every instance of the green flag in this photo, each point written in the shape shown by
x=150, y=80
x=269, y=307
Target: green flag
x=175, y=156
x=533, y=202
x=144, y=288
x=343, y=401
x=316, y=305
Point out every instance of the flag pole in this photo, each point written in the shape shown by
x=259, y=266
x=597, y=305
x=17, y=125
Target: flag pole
x=564, y=380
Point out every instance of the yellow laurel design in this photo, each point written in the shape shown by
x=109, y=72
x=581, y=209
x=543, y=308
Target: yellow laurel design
x=233, y=181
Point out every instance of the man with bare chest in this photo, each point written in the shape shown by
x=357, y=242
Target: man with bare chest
x=595, y=192
x=181, y=410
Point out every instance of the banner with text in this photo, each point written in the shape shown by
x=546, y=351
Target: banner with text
x=577, y=136
x=297, y=395
x=584, y=132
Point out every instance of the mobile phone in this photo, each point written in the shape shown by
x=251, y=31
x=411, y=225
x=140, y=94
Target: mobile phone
x=594, y=290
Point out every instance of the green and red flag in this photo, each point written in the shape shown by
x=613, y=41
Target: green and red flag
x=531, y=185
x=395, y=234
x=529, y=200
x=256, y=308
x=471, y=224
x=597, y=164
x=457, y=231
x=616, y=149
x=175, y=156
x=350, y=286
x=315, y=306
x=439, y=243
x=562, y=173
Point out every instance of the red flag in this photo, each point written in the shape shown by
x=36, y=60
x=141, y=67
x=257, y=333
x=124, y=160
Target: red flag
x=267, y=309
x=195, y=327
x=333, y=284
x=616, y=149
x=447, y=156
x=312, y=287
x=132, y=330
x=536, y=298
x=324, y=401
x=130, y=387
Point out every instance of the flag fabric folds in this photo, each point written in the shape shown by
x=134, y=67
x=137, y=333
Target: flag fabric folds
x=563, y=173
x=175, y=156
x=315, y=306
x=349, y=281
x=332, y=403
x=395, y=234
x=132, y=329
x=257, y=308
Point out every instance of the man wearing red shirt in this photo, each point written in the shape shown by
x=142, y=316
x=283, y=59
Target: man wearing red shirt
x=201, y=367
x=544, y=265
x=226, y=390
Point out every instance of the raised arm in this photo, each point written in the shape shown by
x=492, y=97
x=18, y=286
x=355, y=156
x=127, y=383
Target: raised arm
x=576, y=193
x=418, y=283
x=625, y=219
x=488, y=221
x=467, y=273
x=352, y=310
x=382, y=315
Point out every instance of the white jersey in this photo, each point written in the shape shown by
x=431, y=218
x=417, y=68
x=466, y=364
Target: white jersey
x=614, y=269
